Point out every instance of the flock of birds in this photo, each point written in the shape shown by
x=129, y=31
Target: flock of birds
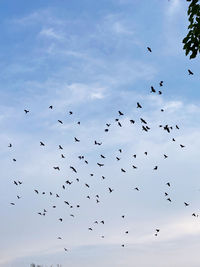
x=145, y=127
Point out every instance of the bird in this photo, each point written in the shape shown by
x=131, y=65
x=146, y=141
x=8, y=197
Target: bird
x=76, y=139
x=134, y=167
x=186, y=204
x=143, y=121
x=145, y=153
x=169, y=199
x=120, y=113
x=100, y=164
x=110, y=190
x=60, y=121
x=108, y=124
x=15, y=183
x=123, y=170
x=42, y=144
x=149, y=49
x=168, y=184
x=90, y=229
x=26, y=111
x=14, y=160
x=12, y=203
x=70, y=112
x=87, y=185
x=119, y=124
x=60, y=219
x=161, y=83
x=102, y=156
x=120, y=150
x=10, y=145
x=182, y=146
x=60, y=147
x=138, y=105
x=136, y=188
x=56, y=168
x=177, y=127
x=152, y=89
x=134, y=155
x=190, y=72
x=194, y=214
x=166, y=127
x=62, y=156
x=36, y=191
x=165, y=156
x=144, y=128
x=65, y=249
x=97, y=143
x=166, y=194
x=155, y=168
x=51, y=107
x=132, y=121
x=117, y=158
x=73, y=169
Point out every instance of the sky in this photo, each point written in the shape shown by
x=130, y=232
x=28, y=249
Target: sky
x=91, y=57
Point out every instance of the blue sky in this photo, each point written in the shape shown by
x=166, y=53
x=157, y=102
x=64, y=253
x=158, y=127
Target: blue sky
x=91, y=58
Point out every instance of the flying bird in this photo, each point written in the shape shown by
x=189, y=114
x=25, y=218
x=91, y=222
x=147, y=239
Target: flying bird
x=76, y=140
x=110, y=190
x=149, y=49
x=73, y=169
x=100, y=164
x=190, y=72
x=56, y=168
x=152, y=89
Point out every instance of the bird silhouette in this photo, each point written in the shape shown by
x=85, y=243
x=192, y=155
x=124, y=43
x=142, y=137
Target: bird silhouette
x=56, y=168
x=190, y=72
x=149, y=49
x=110, y=190
x=100, y=164
x=73, y=169
x=120, y=113
x=138, y=105
x=143, y=121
